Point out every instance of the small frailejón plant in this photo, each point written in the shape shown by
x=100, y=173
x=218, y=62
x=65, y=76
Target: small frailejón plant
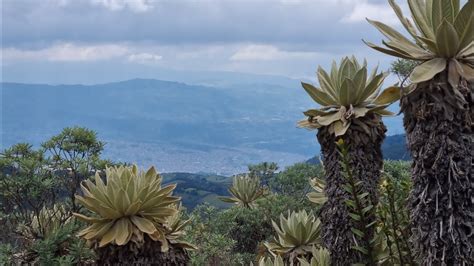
x=319, y=257
x=351, y=106
x=296, y=235
x=245, y=190
x=438, y=114
x=130, y=215
x=267, y=261
x=175, y=229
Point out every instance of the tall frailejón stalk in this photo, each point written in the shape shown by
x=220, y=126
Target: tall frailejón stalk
x=351, y=107
x=438, y=116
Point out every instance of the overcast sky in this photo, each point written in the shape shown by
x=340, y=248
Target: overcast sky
x=282, y=37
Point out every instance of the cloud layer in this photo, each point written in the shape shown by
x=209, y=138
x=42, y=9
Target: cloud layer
x=285, y=37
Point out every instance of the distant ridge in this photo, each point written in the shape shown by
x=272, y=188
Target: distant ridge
x=175, y=126
x=393, y=148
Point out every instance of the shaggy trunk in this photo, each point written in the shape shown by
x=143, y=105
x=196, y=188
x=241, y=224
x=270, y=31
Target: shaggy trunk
x=366, y=163
x=147, y=254
x=438, y=123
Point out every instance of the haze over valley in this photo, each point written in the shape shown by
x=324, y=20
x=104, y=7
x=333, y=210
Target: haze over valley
x=218, y=128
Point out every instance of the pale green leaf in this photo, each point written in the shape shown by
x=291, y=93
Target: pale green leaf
x=388, y=96
x=143, y=224
x=420, y=19
x=447, y=40
x=315, y=112
x=405, y=22
x=428, y=70
x=463, y=18
x=344, y=92
x=326, y=84
x=340, y=128
x=317, y=95
x=389, y=51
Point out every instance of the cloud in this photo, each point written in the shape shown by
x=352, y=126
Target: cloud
x=67, y=52
x=133, y=5
x=144, y=58
x=363, y=9
x=287, y=37
x=177, y=21
x=61, y=3
x=268, y=52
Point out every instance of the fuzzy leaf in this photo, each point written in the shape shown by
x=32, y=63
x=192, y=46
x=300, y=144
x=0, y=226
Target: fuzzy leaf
x=388, y=96
x=428, y=70
x=317, y=95
x=447, y=40
x=143, y=224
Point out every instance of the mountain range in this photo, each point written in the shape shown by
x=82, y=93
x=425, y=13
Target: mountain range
x=212, y=127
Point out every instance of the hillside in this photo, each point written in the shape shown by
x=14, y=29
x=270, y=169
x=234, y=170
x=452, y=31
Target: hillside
x=198, y=188
x=195, y=189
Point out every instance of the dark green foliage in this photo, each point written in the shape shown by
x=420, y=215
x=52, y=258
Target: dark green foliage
x=252, y=226
x=403, y=68
x=61, y=247
x=235, y=235
x=294, y=180
x=195, y=189
x=6, y=253
x=26, y=186
x=210, y=236
x=264, y=171
x=74, y=156
x=36, y=190
x=392, y=212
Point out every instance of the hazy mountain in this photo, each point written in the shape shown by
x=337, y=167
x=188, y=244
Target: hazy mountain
x=175, y=126
x=393, y=148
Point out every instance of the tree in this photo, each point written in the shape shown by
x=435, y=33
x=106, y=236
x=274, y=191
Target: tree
x=74, y=155
x=294, y=180
x=210, y=234
x=351, y=109
x=26, y=187
x=34, y=220
x=403, y=69
x=264, y=171
x=438, y=117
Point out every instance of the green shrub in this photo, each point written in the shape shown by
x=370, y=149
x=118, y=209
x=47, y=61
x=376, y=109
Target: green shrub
x=294, y=180
x=59, y=247
x=6, y=254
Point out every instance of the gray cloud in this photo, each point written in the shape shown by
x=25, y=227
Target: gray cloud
x=305, y=23
x=284, y=37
